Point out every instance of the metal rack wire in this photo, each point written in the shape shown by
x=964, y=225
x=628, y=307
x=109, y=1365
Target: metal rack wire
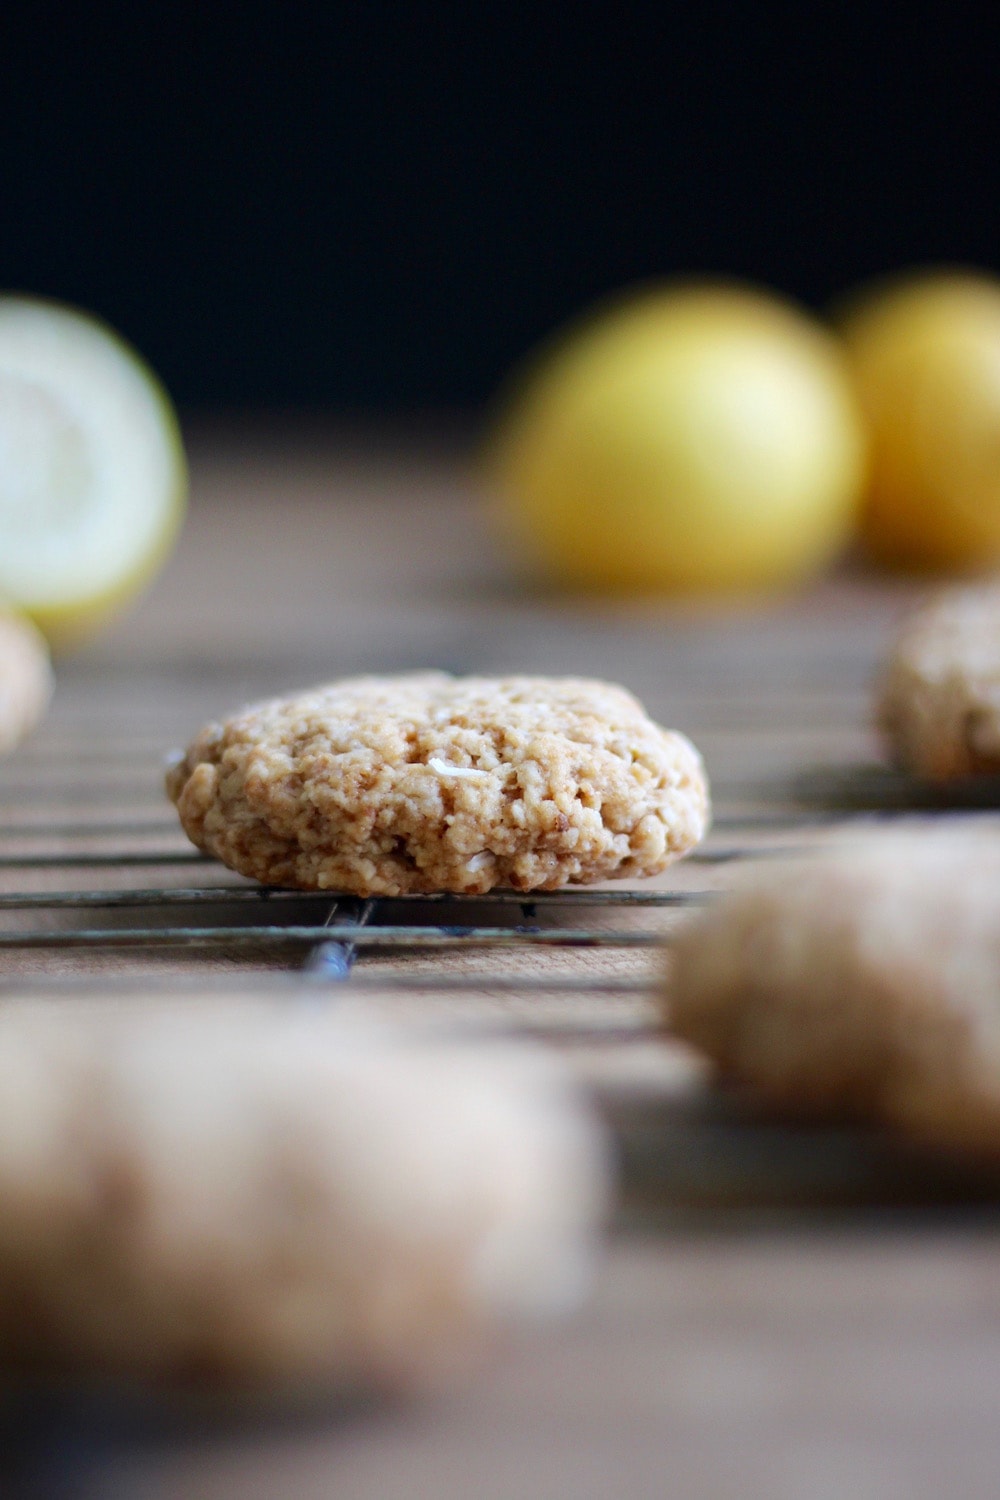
x=94, y=868
x=347, y=921
x=337, y=927
x=575, y=967
x=323, y=931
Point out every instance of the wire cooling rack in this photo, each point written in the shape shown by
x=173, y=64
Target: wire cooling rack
x=327, y=931
x=322, y=935
x=83, y=905
x=100, y=889
x=98, y=883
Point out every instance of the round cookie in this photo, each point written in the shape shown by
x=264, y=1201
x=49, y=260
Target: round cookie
x=277, y=1197
x=425, y=782
x=861, y=982
x=939, y=700
x=25, y=678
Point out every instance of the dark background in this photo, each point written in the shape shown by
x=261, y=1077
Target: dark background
x=377, y=207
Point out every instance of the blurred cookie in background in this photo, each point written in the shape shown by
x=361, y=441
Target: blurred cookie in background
x=938, y=701
x=858, y=983
x=25, y=678
x=276, y=1196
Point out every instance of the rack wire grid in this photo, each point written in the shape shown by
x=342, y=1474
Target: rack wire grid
x=100, y=888
x=98, y=881
x=85, y=908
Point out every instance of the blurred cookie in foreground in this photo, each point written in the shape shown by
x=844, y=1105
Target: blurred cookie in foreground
x=860, y=982
x=275, y=1197
x=25, y=678
x=938, y=704
x=426, y=782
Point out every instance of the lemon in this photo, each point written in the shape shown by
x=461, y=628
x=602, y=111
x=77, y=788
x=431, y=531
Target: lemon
x=925, y=352
x=686, y=438
x=92, y=473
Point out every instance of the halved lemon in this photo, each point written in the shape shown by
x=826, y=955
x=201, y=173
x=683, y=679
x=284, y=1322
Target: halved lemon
x=93, y=479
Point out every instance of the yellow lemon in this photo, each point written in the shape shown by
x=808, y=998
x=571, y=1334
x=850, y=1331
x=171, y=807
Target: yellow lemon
x=926, y=358
x=689, y=437
x=92, y=473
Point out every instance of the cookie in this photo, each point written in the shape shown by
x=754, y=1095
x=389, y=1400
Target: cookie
x=25, y=678
x=201, y=1195
x=861, y=982
x=939, y=700
x=425, y=782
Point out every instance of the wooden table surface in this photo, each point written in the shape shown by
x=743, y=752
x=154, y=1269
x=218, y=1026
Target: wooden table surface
x=779, y=1314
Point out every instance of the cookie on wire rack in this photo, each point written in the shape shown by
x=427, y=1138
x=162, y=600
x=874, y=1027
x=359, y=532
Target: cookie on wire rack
x=938, y=705
x=858, y=982
x=425, y=782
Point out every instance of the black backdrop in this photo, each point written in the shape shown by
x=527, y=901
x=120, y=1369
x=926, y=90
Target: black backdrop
x=377, y=206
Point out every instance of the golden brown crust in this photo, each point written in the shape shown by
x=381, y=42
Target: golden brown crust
x=939, y=700
x=425, y=782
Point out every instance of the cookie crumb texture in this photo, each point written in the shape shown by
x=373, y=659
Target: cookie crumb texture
x=425, y=782
x=228, y=1196
x=25, y=679
x=859, y=983
x=938, y=704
